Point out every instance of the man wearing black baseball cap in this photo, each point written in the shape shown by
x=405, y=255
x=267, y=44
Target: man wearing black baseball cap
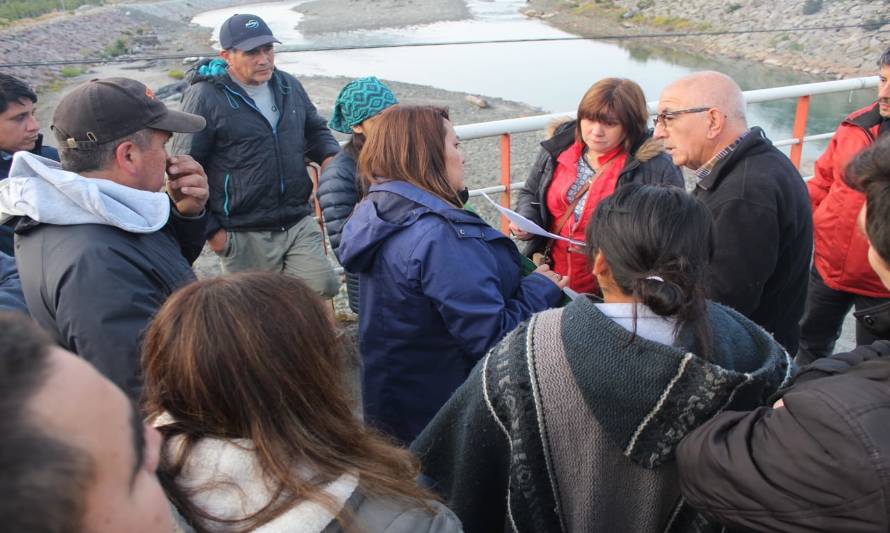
x=261, y=129
x=101, y=241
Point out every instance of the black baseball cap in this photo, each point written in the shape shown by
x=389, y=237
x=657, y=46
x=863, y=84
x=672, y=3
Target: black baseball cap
x=101, y=111
x=245, y=32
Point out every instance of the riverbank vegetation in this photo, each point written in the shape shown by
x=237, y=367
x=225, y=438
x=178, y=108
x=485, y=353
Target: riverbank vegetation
x=11, y=10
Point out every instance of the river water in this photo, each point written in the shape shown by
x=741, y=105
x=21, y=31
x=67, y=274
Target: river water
x=549, y=75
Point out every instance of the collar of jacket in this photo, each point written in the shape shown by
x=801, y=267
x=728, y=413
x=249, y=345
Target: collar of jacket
x=866, y=119
x=430, y=201
x=755, y=138
x=678, y=391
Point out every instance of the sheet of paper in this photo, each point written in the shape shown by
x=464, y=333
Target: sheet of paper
x=527, y=225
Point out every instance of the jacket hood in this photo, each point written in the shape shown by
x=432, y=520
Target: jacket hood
x=225, y=480
x=40, y=189
x=210, y=69
x=668, y=391
x=390, y=208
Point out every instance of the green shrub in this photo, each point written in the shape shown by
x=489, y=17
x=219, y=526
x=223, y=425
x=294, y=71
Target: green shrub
x=733, y=7
x=176, y=74
x=21, y=9
x=811, y=7
x=118, y=48
x=71, y=71
x=874, y=24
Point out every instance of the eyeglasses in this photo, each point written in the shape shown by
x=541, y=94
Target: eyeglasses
x=665, y=115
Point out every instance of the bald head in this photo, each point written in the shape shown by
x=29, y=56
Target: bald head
x=713, y=89
x=703, y=113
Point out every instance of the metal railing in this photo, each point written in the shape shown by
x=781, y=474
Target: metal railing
x=803, y=93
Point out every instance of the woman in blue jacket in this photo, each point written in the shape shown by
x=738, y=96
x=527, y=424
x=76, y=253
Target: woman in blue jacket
x=438, y=286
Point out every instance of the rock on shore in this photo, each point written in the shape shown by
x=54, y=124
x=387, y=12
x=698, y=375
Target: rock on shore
x=842, y=52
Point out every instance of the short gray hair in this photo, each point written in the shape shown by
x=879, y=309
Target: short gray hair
x=884, y=60
x=100, y=157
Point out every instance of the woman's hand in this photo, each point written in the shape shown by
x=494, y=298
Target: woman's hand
x=559, y=280
x=518, y=233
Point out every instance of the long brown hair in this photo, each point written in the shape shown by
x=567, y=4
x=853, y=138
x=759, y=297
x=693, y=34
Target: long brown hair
x=408, y=144
x=254, y=356
x=615, y=100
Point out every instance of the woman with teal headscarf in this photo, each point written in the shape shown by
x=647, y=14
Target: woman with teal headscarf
x=355, y=110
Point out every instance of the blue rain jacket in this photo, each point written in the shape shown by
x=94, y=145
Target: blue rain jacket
x=438, y=288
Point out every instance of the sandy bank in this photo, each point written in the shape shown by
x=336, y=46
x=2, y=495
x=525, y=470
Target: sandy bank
x=326, y=16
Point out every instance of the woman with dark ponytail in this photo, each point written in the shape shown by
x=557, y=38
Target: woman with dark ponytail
x=571, y=421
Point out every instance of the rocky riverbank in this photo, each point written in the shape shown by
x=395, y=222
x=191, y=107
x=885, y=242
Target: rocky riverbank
x=840, y=53
x=103, y=32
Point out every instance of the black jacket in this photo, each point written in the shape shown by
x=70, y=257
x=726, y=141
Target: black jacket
x=646, y=163
x=11, y=297
x=764, y=236
x=338, y=192
x=95, y=287
x=820, y=463
x=6, y=230
x=257, y=176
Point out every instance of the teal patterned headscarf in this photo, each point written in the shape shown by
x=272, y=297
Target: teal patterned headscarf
x=358, y=100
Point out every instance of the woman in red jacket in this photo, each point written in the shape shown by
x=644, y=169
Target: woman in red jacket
x=581, y=164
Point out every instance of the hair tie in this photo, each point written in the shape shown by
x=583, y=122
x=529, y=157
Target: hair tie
x=656, y=278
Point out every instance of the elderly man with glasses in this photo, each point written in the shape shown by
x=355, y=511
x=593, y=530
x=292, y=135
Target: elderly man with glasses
x=762, y=222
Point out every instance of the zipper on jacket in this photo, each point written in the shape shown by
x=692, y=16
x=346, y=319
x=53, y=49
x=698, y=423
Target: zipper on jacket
x=280, y=182
x=226, y=193
x=277, y=156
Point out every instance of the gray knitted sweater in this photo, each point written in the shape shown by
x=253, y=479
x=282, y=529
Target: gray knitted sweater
x=570, y=423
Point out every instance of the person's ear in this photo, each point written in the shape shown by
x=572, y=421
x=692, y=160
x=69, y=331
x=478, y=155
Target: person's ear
x=716, y=122
x=358, y=129
x=600, y=266
x=127, y=156
x=226, y=55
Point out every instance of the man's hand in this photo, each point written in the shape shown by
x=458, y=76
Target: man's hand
x=217, y=243
x=187, y=185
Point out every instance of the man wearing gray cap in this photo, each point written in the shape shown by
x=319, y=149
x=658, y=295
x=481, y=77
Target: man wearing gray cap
x=99, y=245
x=261, y=129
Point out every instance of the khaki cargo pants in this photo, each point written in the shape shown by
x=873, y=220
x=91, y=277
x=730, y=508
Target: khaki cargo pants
x=297, y=251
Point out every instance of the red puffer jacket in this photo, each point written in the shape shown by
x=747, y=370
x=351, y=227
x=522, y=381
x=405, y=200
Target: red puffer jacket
x=840, y=247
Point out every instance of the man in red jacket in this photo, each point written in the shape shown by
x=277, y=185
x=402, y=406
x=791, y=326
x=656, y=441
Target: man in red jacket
x=841, y=277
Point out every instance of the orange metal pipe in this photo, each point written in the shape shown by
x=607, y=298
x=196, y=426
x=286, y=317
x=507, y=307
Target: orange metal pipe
x=505, y=180
x=800, y=128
